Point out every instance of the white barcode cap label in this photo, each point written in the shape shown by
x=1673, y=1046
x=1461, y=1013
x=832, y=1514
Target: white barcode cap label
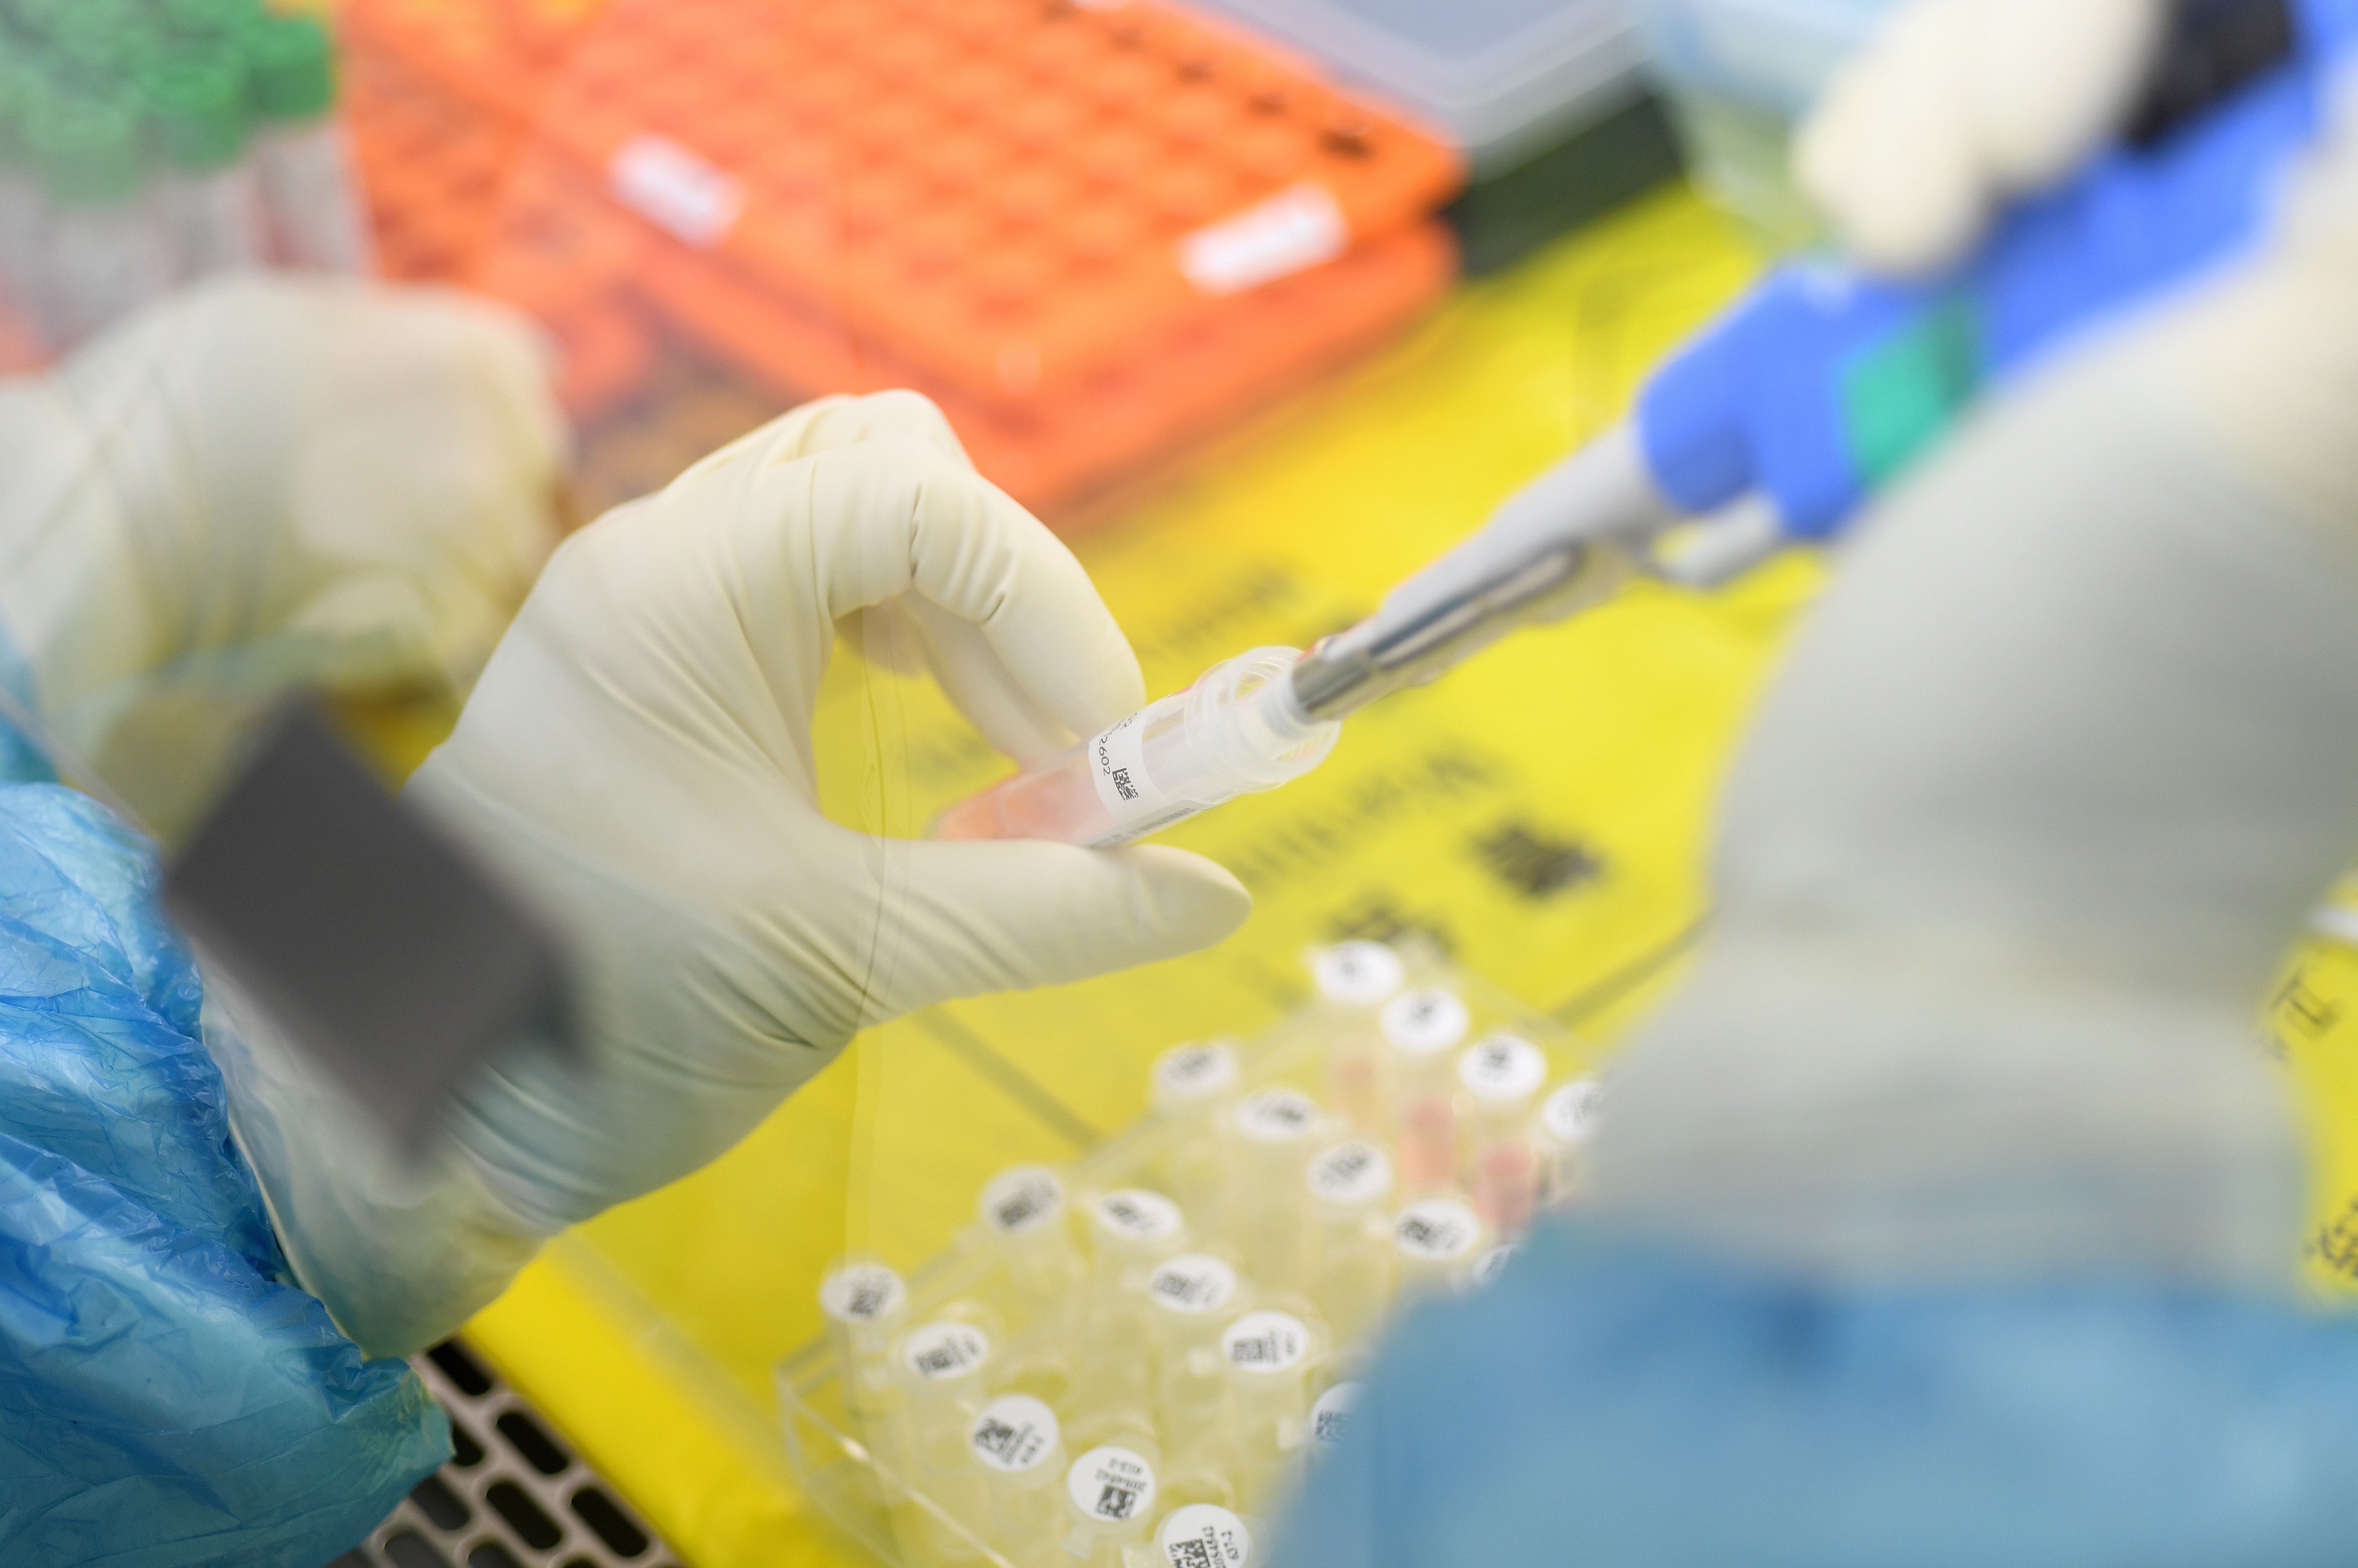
x=1570, y=1113
x=1360, y=974
x=1502, y=1068
x=1111, y=1485
x=1265, y=1342
x=1351, y=1173
x=676, y=191
x=1192, y=1283
x=1494, y=1262
x=1023, y=1199
x=1277, y=1116
x=862, y=1293
x=1204, y=1535
x=945, y=1350
x=1015, y=1434
x=1137, y=1215
x=1296, y=228
x=1421, y=1022
x=1187, y=1074
x=1437, y=1230
x=1331, y=1416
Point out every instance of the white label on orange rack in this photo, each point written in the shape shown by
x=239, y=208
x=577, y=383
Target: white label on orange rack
x=1298, y=227
x=1359, y=973
x=1014, y=1433
x=1204, y=1535
x=676, y=189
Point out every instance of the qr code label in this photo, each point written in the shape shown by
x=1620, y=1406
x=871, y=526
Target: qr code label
x=946, y=1349
x=1193, y=1285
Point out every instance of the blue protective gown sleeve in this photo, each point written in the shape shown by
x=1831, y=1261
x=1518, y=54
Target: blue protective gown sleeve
x=1620, y=1404
x=167, y=1398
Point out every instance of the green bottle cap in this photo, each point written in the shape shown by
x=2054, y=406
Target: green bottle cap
x=197, y=99
x=87, y=146
x=291, y=68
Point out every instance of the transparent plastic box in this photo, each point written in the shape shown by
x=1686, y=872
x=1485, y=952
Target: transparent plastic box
x=873, y=1484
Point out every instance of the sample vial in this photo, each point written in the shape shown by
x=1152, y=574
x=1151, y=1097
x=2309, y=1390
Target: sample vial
x=211, y=193
x=302, y=156
x=1135, y=1230
x=1269, y=1356
x=941, y=1366
x=863, y=1301
x=1018, y=1453
x=1237, y=730
x=1189, y=1297
x=1423, y=1030
x=1349, y=1243
x=1192, y=1085
x=1354, y=978
x=1024, y=1212
x=1330, y=1417
x=1502, y=1074
x=1204, y=1535
x=1276, y=1129
x=1109, y=1502
x=1567, y=1121
x=1435, y=1242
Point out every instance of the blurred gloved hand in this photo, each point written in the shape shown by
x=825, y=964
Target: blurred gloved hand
x=2032, y=814
x=1960, y=105
x=638, y=760
x=264, y=481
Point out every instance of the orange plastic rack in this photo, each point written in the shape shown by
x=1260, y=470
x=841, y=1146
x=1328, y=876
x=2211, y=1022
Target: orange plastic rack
x=1090, y=234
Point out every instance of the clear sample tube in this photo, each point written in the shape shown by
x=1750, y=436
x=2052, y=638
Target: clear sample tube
x=302, y=156
x=1189, y=1297
x=1350, y=1244
x=941, y=1367
x=1276, y=1129
x=1235, y=731
x=1423, y=1030
x=863, y=1301
x=1019, y=1451
x=1202, y=1535
x=1193, y=1084
x=1330, y=1416
x=1133, y=1230
x=1269, y=1356
x=1567, y=1121
x=1108, y=1503
x=1355, y=979
x=1502, y=1074
x=212, y=195
x=1435, y=1243
x=105, y=251
x=1024, y=1214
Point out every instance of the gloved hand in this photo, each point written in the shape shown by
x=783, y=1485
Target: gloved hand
x=637, y=759
x=2034, y=810
x=1960, y=105
x=262, y=483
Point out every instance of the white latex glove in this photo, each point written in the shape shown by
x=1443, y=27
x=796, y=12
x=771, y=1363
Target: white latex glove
x=637, y=759
x=2031, y=816
x=1960, y=105
x=268, y=480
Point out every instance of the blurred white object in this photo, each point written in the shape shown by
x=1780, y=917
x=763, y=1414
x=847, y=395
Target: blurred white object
x=2043, y=797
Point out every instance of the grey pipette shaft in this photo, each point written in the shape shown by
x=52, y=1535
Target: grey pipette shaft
x=1564, y=541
